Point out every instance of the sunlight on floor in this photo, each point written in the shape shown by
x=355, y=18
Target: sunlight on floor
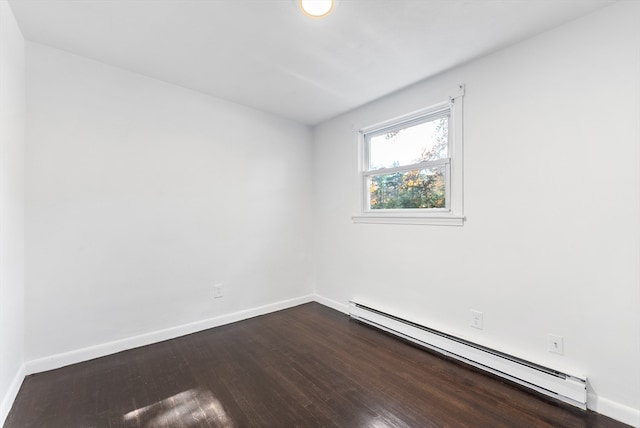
x=191, y=408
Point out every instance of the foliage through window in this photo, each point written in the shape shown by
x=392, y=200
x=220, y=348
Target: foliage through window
x=408, y=166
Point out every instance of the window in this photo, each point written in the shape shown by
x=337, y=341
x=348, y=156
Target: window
x=410, y=167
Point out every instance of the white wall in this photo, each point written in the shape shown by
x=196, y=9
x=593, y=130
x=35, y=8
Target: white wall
x=12, y=105
x=142, y=195
x=552, y=193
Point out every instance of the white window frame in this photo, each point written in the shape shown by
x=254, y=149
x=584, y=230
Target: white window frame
x=452, y=214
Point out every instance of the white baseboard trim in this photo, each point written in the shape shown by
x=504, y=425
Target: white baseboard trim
x=615, y=410
x=11, y=394
x=342, y=307
x=79, y=355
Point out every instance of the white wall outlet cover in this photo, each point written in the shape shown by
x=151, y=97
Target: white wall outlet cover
x=555, y=344
x=217, y=291
x=476, y=319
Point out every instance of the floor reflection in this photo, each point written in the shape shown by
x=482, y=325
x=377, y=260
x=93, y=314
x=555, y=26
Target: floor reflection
x=192, y=408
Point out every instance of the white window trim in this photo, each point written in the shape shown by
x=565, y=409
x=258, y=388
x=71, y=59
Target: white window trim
x=450, y=216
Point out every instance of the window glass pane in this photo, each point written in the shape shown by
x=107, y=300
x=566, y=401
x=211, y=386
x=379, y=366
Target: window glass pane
x=422, y=142
x=422, y=188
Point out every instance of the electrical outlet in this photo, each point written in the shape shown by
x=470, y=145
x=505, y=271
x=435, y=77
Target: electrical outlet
x=555, y=344
x=476, y=319
x=217, y=291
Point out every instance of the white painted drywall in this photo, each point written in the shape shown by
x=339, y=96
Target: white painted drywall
x=552, y=197
x=142, y=195
x=12, y=106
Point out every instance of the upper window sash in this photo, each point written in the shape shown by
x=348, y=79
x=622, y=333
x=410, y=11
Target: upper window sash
x=443, y=112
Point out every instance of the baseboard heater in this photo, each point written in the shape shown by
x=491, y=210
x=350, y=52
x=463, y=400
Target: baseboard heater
x=561, y=386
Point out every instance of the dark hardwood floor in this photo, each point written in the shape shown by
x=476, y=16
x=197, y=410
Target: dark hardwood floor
x=307, y=366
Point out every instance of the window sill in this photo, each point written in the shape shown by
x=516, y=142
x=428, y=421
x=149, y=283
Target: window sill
x=434, y=220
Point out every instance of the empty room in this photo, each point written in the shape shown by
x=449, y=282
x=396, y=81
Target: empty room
x=319, y=213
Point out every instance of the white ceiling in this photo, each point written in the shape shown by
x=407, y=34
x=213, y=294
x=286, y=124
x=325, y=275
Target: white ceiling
x=266, y=54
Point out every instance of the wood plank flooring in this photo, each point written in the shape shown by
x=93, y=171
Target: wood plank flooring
x=307, y=366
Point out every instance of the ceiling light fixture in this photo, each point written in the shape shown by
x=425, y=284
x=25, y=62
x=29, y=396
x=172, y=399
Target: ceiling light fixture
x=316, y=8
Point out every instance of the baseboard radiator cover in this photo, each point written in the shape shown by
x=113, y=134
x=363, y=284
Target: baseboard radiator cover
x=561, y=386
